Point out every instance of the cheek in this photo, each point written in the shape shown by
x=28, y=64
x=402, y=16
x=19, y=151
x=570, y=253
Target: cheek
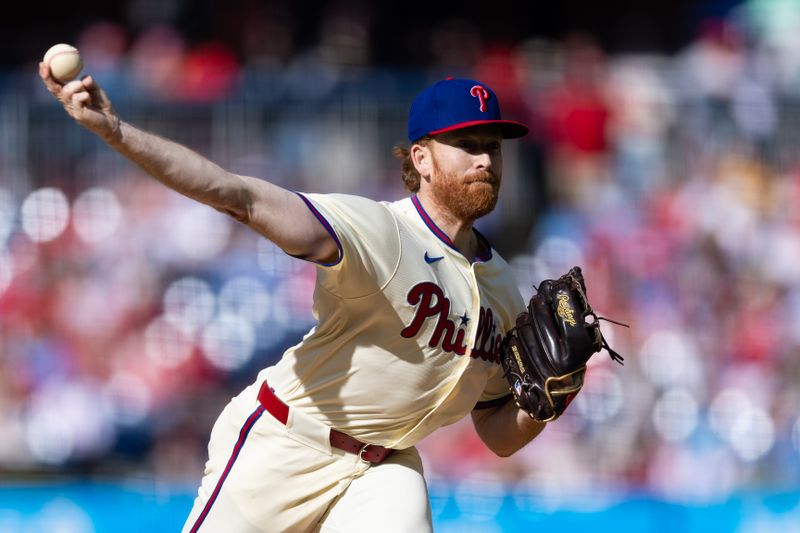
x=453, y=160
x=497, y=163
x=443, y=166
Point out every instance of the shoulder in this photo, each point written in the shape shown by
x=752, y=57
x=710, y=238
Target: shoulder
x=362, y=222
x=403, y=206
x=350, y=202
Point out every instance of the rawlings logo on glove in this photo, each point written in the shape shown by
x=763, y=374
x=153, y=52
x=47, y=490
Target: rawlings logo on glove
x=564, y=310
x=544, y=356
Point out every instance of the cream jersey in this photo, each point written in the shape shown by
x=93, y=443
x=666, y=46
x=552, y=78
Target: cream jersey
x=408, y=329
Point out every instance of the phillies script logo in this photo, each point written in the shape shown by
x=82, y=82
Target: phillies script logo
x=432, y=303
x=481, y=94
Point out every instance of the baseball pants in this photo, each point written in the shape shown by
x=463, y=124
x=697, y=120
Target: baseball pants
x=264, y=476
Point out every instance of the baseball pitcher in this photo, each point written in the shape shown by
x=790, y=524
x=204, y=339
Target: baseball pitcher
x=419, y=323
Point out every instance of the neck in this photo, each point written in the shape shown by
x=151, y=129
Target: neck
x=459, y=231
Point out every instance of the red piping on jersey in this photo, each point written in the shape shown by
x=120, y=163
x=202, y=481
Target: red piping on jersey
x=436, y=230
x=248, y=425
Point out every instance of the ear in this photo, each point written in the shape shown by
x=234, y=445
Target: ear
x=422, y=158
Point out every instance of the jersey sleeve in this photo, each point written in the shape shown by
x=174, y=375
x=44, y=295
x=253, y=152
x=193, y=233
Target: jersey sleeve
x=496, y=391
x=368, y=239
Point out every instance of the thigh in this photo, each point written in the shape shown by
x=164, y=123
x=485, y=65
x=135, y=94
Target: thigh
x=226, y=516
x=259, y=478
x=390, y=497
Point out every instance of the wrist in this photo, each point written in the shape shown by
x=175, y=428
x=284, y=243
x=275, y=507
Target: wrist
x=113, y=137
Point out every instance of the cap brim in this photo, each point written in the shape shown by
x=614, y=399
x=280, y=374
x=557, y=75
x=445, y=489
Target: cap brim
x=509, y=128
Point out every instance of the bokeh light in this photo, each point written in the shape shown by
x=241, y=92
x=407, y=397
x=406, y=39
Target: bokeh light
x=602, y=395
x=166, y=343
x=96, y=214
x=64, y=516
x=669, y=358
x=752, y=434
x=56, y=435
x=128, y=398
x=49, y=436
x=200, y=233
x=228, y=342
x=556, y=255
x=189, y=303
x=726, y=408
x=747, y=428
x=247, y=297
x=45, y=214
x=675, y=415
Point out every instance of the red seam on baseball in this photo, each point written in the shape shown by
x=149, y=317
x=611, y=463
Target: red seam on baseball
x=52, y=57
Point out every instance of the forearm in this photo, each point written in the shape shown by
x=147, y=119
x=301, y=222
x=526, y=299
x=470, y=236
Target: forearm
x=183, y=170
x=505, y=429
x=263, y=206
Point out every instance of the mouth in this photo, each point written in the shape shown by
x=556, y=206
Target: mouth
x=485, y=177
x=486, y=181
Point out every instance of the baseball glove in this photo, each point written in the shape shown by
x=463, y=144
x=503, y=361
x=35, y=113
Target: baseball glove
x=544, y=356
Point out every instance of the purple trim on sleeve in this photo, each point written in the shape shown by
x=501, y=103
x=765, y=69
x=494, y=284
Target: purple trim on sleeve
x=493, y=403
x=328, y=228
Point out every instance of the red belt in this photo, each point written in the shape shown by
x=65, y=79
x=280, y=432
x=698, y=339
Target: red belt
x=367, y=452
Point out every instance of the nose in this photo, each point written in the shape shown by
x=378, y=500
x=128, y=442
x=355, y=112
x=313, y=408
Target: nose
x=483, y=160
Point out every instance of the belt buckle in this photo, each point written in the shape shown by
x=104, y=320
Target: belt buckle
x=361, y=453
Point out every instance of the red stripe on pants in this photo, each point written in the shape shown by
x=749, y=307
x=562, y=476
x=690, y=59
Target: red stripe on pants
x=248, y=425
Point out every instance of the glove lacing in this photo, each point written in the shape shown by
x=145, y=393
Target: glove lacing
x=612, y=353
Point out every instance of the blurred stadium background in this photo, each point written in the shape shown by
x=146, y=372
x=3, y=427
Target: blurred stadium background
x=664, y=159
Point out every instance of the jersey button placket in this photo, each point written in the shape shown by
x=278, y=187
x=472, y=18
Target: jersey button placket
x=472, y=327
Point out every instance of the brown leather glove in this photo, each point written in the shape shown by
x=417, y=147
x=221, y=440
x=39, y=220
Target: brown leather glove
x=544, y=356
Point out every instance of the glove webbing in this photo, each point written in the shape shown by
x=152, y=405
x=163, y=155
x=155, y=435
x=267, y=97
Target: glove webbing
x=614, y=355
x=603, y=342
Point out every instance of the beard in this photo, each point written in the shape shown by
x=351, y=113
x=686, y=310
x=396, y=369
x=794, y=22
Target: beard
x=469, y=197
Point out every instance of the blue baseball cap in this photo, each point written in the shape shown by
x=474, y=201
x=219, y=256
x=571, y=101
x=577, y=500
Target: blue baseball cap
x=452, y=104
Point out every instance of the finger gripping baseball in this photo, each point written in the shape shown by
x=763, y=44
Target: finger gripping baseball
x=544, y=356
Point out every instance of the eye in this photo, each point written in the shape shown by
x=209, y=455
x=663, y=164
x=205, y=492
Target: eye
x=466, y=145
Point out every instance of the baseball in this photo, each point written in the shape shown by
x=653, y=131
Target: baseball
x=64, y=61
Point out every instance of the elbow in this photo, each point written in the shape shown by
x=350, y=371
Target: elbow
x=510, y=444
x=501, y=447
x=504, y=452
x=236, y=202
x=239, y=215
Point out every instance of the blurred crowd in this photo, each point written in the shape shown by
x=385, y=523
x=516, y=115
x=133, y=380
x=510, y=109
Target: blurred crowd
x=129, y=315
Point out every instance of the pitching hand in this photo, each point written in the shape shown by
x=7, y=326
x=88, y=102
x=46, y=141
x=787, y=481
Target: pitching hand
x=86, y=102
